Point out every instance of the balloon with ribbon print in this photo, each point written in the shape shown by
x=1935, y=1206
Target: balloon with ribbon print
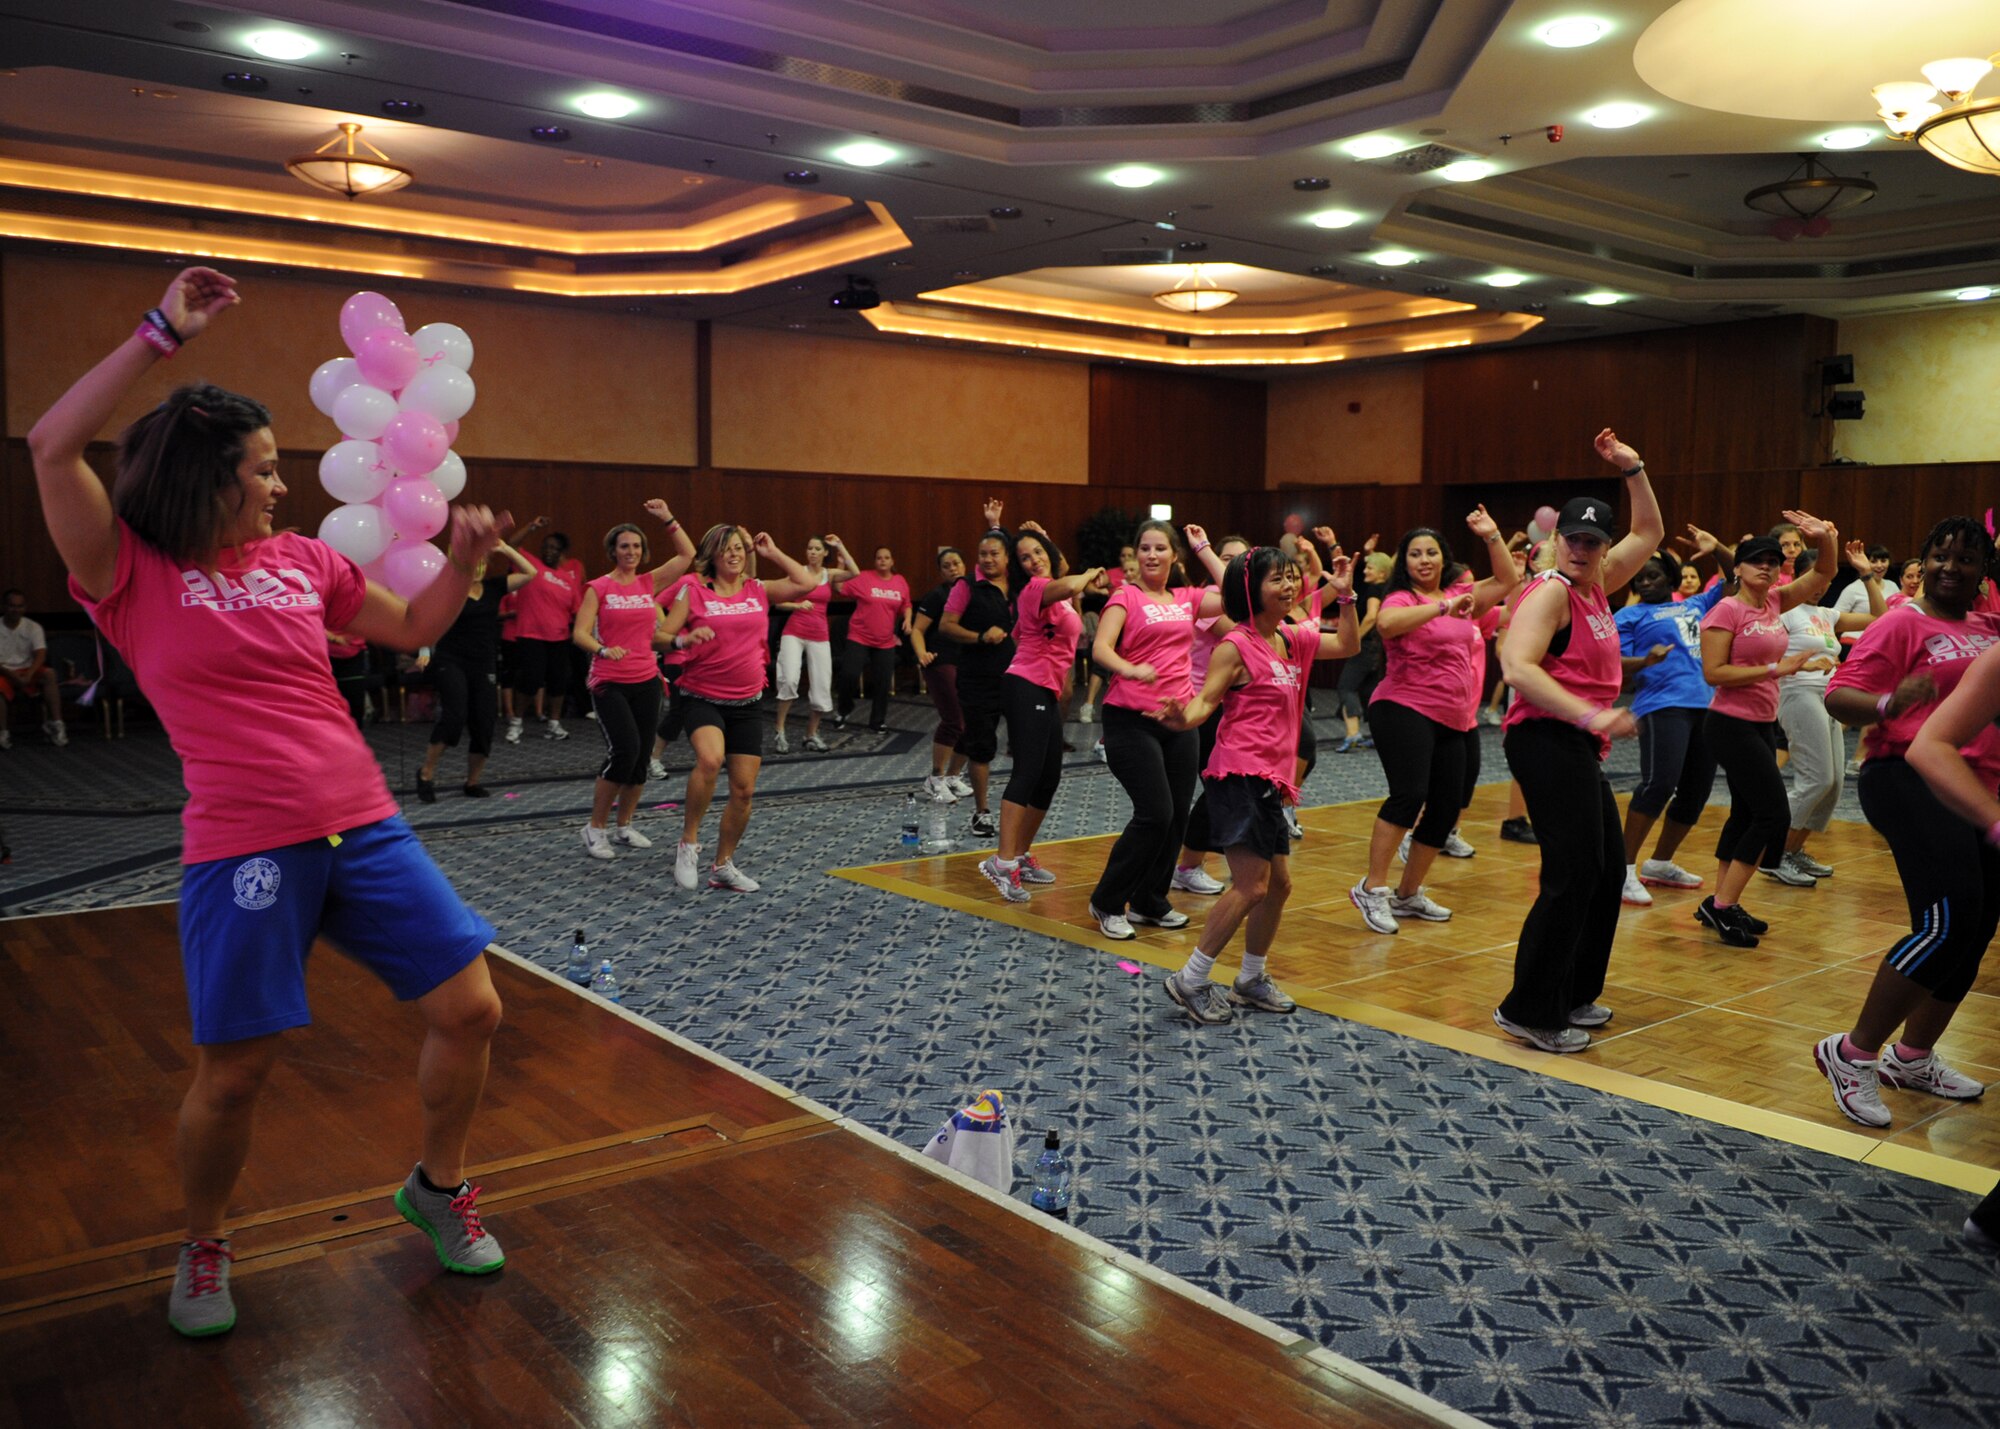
x=411, y=566
x=442, y=392
x=415, y=508
x=330, y=379
x=388, y=359
x=363, y=412
x=449, y=476
x=355, y=471
x=357, y=531
x=364, y=313
x=445, y=343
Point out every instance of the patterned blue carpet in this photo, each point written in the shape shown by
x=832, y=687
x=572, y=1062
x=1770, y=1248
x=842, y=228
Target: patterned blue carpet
x=1527, y=1251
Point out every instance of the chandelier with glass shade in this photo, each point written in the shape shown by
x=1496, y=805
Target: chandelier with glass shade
x=1962, y=130
x=343, y=171
x=1196, y=292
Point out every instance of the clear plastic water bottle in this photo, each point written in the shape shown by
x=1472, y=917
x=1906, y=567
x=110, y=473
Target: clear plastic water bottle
x=937, y=823
x=1051, y=1192
x=910, y=823
x=605, y=984
x=578, y=970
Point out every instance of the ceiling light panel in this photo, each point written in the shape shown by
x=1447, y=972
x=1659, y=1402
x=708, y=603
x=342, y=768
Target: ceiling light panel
x=1572, y=32
x=1393, y=257
x=603, y=104
x=1601, y=299
x=281, y=44
x=1134, y=176
x=1847, y=139
x=1616, y=116
x=1374, y=146
x=1335, y=218
x=1467, y=171
x=864, y=154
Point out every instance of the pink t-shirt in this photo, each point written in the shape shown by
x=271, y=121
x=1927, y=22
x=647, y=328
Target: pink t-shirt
x=1206, y=638
x=510, y=616
x=1044, y=637
x=547, y=604
x=731, y=666
x=626, y=615
x=235, y=663
x=1437, y=668
x=1160, y=633
x=810, y=623
x=1890, y=651
x=878, y=601
x=1588, y=666
x=1259, y=733
x=1761, y=638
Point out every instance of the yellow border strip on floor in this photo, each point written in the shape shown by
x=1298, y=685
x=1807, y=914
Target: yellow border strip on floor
x=1774, y=1125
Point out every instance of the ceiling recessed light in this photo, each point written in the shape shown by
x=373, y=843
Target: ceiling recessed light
x=244, y=82
x=1311, y=186
x=864, y=154
x=1848, y=138
x=281, y=44
x=1601, y=299
x=1392, y=257
x=1323, y=270
x=1373, y=146
x=1335, y=218
x=603, y=104
x=1616, y=116
x=402, y=109
x=1974, y=295
x=191, y=27
x=1005, y=213
x=1192, y=245
x=1465, y=171
x=801, y=176
x=1504, y=280
x=1134, y=176
x=549, y=133
x=1572, y=33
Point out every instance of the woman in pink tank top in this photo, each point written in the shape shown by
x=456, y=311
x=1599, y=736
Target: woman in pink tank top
x=1561, y=657
x=1257, y=677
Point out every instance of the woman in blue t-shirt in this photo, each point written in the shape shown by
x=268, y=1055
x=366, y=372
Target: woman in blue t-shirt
x=1659, y=640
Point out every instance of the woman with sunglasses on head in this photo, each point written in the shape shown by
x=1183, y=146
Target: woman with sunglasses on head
x=290, y=831
x=807, y=643
x=1561, y=657
x=1743, y=643
x=938, y=657
x=1902, y=670
x=979, y=619
x=1047, y=628
x=1425, y=713
x=1257, y=678
x=1145, y=639
x=721, y=623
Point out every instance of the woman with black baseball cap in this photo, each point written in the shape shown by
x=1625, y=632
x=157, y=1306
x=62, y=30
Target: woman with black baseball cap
x=1561, y=657
x=1743, y=642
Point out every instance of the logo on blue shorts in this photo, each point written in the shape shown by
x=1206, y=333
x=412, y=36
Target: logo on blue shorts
x=256, y=884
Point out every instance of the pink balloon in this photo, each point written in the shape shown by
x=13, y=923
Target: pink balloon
x=1295, y=524
x=411, y=566
x=1545, y=517
x=415, y=508
x=362, y=314
x=387, y=358
x=415, y=442
x=451, y=432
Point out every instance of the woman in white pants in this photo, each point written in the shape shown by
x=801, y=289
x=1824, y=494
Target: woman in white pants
x=808, y=642
x=1818, y=761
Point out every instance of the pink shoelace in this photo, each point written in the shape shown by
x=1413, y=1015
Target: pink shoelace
x=468, y=1213
x=204, y=1265
x=1029, y=861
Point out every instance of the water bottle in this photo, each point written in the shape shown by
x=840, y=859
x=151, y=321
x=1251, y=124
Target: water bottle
x=605, y=985
x=937, y=823
x=1051, y=1192
x=910, y=823
x=578, y=970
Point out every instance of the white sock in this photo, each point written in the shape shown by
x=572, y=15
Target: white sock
x=1253, y=966
x=1195, y=972
x=1009, y=864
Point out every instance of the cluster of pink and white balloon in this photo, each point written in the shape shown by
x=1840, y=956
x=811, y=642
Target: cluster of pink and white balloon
x=397, y=402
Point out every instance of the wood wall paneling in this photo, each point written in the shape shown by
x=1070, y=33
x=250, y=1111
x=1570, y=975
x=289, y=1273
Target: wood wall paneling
x=1756, y=385
x=1175, y=431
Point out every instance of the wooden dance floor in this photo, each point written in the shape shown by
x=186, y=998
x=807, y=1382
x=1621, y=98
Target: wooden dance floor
x=1721, y=1033
x=686, y=1244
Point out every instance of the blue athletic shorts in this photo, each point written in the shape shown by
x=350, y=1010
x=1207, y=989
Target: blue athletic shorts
x=247, y=924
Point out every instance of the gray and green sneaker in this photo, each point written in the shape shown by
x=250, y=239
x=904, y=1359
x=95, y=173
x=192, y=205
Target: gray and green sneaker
x=200, y=1304
x=451, y=1220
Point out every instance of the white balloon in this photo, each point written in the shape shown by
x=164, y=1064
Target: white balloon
x=1535, y=532
x=449, y=476
x=330, y=379
x=358, y=532
x=354, y=471
x=441, y=391
x=443, y=342
x=361, y=411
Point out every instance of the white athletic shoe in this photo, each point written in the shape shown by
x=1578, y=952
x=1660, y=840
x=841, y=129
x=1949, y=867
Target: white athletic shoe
x=960, y=788
x=1565, y=1039
x=655, y=769
x=1419, y=905
x=58, y=736
x=780, y=742
x=1591, y=1014
x=1857, y=1087
x=1113, y=925
x=1172, y=918
x=1196, y=880
x=6, y=739
x=513, y=734
x=552, y=729
x=1635, y=892
x=1374, y=906
x=1928, y=1074
x=1665, y=873
x=687, y=865
x=938, y=788
x=597, y=842
x=631, y=837
x=1085, y=715
x=728, y=875
x=1791, y=875
x=1455, y=846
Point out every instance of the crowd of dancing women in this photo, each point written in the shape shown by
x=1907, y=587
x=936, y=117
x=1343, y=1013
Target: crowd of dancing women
x=1204, y=649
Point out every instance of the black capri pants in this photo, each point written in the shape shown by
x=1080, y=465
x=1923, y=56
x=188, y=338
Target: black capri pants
x=673, y=718
x=468, y=698
x=942, y=681
x=1950, y=874
x=881, y=665
x=628, y=715
x=1308, y=749
x=1156, y=767
x=1759, y=811
x=1357, y=673
x=1035, y=734
x=1198, y=835
x=1432, y=771
x=542, y=664
x=742, y=725
x=1565, y=942
x=1674, y=763
x=980, y=700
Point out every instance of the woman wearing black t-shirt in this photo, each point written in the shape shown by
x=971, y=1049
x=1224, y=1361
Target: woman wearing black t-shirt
x=978, y=617
x=939, y=658
x=465, y=671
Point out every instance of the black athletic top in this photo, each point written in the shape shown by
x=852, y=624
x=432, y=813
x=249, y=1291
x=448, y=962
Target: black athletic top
x=474, y=638
x=935, y=640
x=986, y=607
